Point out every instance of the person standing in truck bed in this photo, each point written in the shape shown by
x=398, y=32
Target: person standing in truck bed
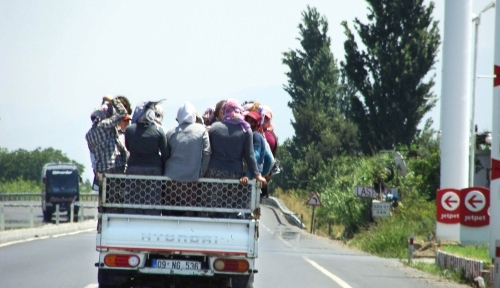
x=231, y=141
x=146, y=142
x=102, y=138
x=189, y=147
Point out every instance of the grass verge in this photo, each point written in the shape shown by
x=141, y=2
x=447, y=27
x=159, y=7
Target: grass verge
x=453, y=275
x=480, y=253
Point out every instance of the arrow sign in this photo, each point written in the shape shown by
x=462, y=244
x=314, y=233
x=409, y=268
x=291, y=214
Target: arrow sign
x=475, y=201
x=450, y=201
x=474, y=206
x=447, y=210
x=314, y=200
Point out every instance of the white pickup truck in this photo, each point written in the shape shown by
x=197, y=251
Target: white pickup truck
x=156, y=232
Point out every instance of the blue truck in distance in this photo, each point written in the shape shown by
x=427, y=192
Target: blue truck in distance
x=61, y=185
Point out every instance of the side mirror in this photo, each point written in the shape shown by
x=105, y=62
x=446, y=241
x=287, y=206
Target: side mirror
x=44, y=180
x=81, y=180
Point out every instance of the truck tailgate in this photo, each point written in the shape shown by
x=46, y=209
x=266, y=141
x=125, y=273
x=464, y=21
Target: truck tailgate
x=187, y=235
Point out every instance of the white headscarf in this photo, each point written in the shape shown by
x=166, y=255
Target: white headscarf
x=186, y=114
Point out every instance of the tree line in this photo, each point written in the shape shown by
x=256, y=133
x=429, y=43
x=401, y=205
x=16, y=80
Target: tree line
x=24, y=165
x=371, y=101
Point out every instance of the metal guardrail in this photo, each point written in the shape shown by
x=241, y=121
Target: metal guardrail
x=57, y=214
x=5, y=197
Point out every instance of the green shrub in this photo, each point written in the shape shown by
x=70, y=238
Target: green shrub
x=389, y=236
x=19, y=185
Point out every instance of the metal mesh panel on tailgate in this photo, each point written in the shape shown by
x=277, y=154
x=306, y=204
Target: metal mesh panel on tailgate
x=163, y=193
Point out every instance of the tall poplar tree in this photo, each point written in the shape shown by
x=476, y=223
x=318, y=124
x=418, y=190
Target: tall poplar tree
x=400, y=45
x=321, y=128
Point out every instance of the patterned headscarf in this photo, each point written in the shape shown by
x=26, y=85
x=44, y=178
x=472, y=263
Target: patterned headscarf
x=147, y=112
x=269, y=114
x=257, y=108
x=210, y=112
x=148, y=117
x=233, y=114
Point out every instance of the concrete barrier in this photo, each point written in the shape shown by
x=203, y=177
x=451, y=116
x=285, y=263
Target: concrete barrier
x=46, y=230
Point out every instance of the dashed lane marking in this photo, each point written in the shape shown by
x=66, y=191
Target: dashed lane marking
x=339, y=281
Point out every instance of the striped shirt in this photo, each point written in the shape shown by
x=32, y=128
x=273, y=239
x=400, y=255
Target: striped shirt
x=103, y=140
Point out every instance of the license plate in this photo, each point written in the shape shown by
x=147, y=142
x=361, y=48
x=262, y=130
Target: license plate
x=176, y=264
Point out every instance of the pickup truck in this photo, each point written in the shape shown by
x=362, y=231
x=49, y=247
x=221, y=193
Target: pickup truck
x=156, y=232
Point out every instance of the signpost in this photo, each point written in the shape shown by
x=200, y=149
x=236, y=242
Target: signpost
x=448, y=214
x=370, y=192
x=474, y=217
x=313, y=201
x=463, y=215
x=381, y=209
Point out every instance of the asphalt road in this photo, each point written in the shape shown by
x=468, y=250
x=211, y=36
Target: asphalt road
x=288, y=257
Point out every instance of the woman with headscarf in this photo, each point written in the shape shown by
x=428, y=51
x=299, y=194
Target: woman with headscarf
x=231, y=141
x=146, y=141
x=272, y=140
x=188, y=146
x=263, y=155
x=218, y=114
x=208, y=116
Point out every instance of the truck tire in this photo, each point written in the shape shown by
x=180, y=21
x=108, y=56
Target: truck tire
x=75, y=213
x=244, y=281
x=47, y=216
x=110, y=279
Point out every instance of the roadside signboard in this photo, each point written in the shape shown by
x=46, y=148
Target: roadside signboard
x=370, y=192
x=463, y=215
x=475, y=202
x=381, y=209
x=447, y=206
x=314, y=200
x=448, y=214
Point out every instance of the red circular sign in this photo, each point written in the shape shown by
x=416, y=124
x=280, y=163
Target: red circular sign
x=475, y=202
x=448, y=204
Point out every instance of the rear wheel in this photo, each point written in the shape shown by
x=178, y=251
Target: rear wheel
x=243, y=281
x=110, y=279
x=47, y=216
x=76, y=209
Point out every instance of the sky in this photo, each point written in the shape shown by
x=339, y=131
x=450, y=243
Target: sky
x=58, y=58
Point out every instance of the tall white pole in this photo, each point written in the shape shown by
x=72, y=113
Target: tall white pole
x=495, y=158
x=455, y=95
x=472, y=140
x=472, y=166
x=455, y=103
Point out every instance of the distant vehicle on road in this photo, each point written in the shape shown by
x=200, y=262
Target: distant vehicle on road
x=61, y=185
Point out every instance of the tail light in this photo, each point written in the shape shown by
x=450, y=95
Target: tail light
x=231, y=265
x=120, y=260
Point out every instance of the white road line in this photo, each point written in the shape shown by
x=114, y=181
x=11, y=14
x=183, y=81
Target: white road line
x=282, y=240
x=45, y=237
x=72, y=233
x=22, y=241
x=92, y=286
x=339, y=281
